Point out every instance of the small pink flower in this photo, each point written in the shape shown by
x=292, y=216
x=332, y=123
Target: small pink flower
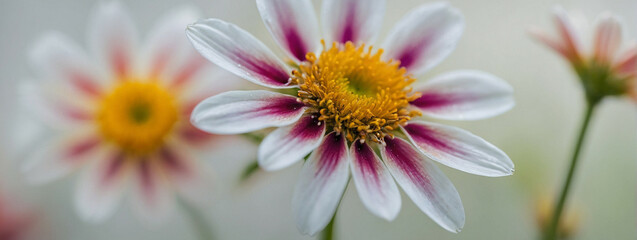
x=606, y=68
x=121, y=114
x=356, y=101
x=14, y=225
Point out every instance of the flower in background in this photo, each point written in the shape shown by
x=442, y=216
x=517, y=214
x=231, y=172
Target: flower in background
x=121, y=115
x=353, y=101
x=608, y=69
x=14, y=225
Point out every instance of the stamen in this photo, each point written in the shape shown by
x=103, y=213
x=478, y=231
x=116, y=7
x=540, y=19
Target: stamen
x=355, y=92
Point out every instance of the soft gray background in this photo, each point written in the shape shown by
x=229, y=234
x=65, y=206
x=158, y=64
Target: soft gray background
x=537, y=134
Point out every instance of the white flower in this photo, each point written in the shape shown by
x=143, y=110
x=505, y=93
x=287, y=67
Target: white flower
x=353, y=102
x=122, y=114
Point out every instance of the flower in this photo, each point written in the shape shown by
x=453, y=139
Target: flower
x=605, y=70
x=353, y=101
x=14, y=225
x=121, y=116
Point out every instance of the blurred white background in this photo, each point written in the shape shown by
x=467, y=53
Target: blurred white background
x=537, y=134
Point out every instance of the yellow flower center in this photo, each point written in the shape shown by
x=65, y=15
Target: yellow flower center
x=137, y=116
x=355, y=92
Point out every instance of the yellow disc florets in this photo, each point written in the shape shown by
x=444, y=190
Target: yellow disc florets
x=355, y=92
x=137, y=116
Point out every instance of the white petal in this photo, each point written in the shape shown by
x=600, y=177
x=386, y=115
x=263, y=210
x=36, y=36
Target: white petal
x=245, y=111
x=189, y=176
x=608, y=38
x=59, y=157
x=287, y=145
x=167, y=53
x=374, y=183
x=321, y=185
x=292, y=24
x=56, y=107
x=153, y=198
x=425, y=37
x=465, y=95
x=352, y=20
x=424, y=183
x=459, y=149
x=112, y=37
x=101, y=187
x=60, y=60
x=237, y=51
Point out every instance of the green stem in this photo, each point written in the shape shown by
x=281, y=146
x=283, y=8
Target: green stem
x=198, y=221
x=551, y=233
x=328, y=231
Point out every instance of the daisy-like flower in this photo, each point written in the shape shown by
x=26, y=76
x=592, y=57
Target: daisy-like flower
x=121, y=115
x=355, y=102
x=605, y=70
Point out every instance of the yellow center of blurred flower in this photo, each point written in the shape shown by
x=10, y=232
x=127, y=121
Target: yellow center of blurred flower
x=137, y=116
x=355, y=92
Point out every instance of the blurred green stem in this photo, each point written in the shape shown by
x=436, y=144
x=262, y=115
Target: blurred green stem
x=328, y=231
x=198, y=221
x=552, y=230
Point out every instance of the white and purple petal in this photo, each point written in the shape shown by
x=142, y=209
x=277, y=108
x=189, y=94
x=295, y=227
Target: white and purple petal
x=424, y=183
x=424, y=37
x=321, y=185
x=287, y=145
x=167, y=54
x=237, y=51
x=112, y=37
x=190, y=178
x=60, y=157
x=374, y=183
x=608, y=38
x=153, y=198
x=292, y=24
x=352, y=20
x=459, y=149
x=245, y=111
x=57, y=57
x=464, y=95
x=56, y=107
x=101, y=186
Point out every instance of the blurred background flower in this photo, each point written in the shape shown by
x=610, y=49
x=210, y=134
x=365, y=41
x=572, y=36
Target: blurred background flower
x=534, y=134
x=121, y=115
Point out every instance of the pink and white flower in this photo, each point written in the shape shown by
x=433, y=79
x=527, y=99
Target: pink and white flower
x=14, y=224
x=122, y=114
x=607, y=67
x=355, y=101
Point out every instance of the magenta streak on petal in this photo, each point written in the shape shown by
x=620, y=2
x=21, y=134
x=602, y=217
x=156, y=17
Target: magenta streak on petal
x=85, y=84
x=293, y=39
x=81, y=148
x=348, y=33
x=282, y=107
x=119, y=58
x=425, y=135
x=412, y=53
x=187, y=72
x=172, y=162
x=295, y=44
x=146, y=179
x=368, y=165
x=113, y=167
x=330, y=153
x=270, y=73
x=439, y=100
x=307, y=128
x=407, y=160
